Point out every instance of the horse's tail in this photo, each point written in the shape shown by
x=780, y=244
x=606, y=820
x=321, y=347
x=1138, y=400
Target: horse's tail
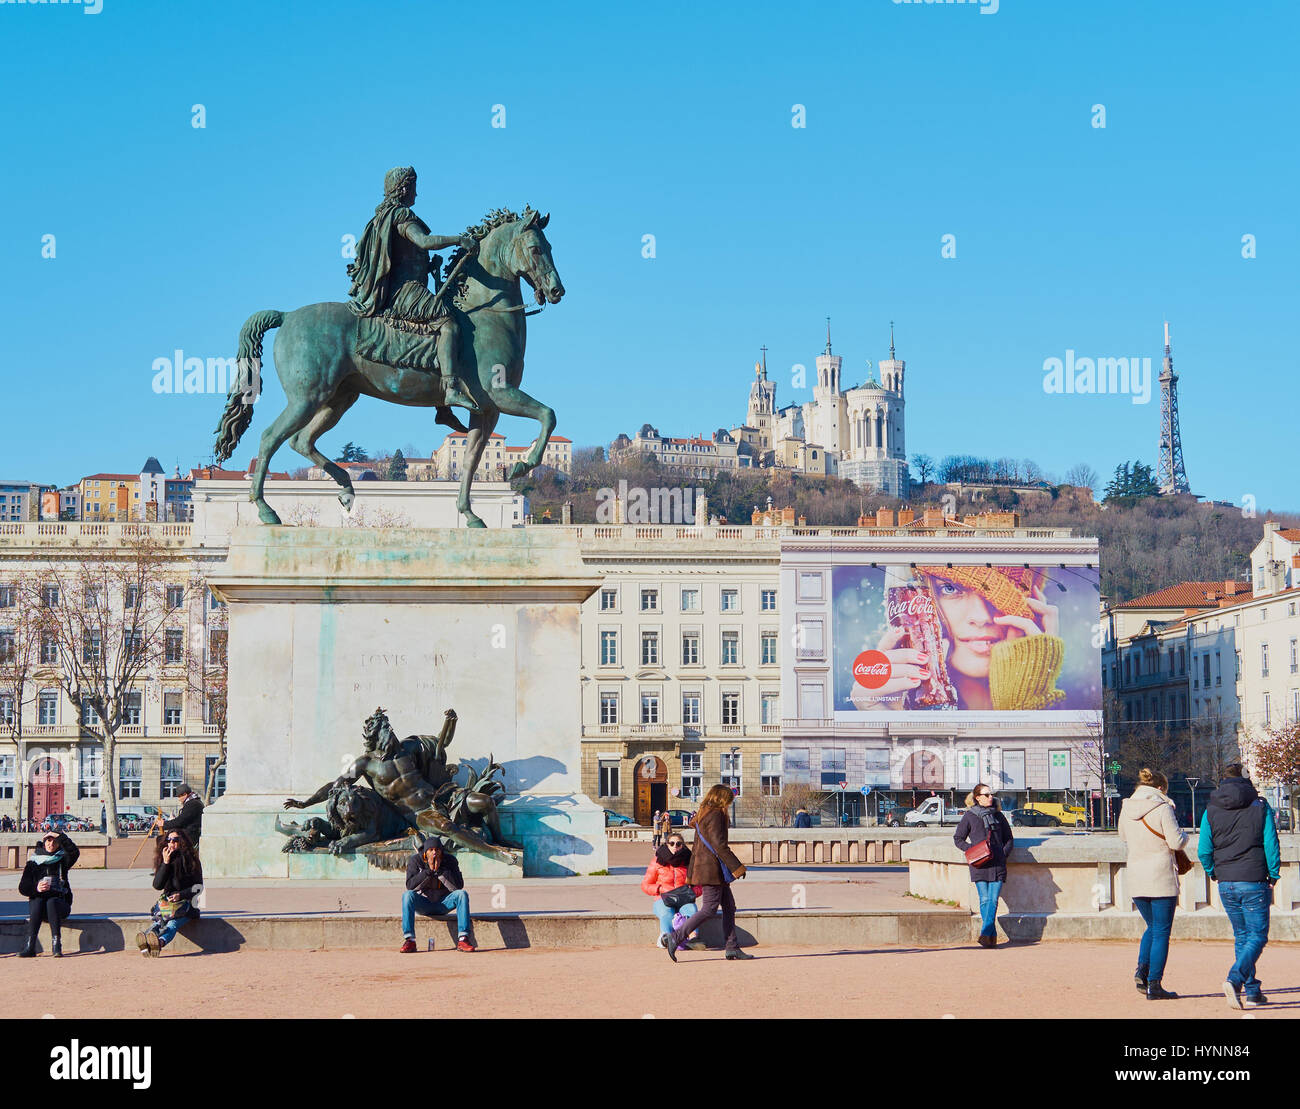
x=245, y=388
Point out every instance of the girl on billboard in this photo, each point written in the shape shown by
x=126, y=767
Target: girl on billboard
x=964, y=637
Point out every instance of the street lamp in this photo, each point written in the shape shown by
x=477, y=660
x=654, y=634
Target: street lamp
x=1193, y=782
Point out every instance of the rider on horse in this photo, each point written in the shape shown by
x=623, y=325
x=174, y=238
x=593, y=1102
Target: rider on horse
x=390, y=278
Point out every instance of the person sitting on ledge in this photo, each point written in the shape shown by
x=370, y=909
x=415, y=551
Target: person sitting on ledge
x=179, y=877
x=434, y=886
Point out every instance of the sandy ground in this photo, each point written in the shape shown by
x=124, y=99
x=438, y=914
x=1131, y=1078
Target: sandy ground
x=1090, y=980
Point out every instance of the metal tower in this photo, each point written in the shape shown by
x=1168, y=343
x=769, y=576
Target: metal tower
x=1172, y=476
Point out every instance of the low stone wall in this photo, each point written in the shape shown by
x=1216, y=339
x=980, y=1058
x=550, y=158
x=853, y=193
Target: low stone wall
x=330, y=931
x=807, y=845
x=15, y=847
x=1065, y=884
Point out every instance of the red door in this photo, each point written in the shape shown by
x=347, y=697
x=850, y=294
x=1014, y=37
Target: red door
x=45, y=793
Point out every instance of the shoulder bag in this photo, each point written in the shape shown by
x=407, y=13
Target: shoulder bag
x=1181, y=861
x=676, y=898
x=727, y=876
x=981, y=854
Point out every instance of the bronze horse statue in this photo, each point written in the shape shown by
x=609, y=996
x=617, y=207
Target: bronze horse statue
x=323, y=376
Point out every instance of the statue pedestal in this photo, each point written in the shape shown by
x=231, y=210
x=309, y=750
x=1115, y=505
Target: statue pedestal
x=326, y=624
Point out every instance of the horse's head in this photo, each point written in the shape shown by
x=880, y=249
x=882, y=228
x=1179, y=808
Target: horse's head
x=527, y=254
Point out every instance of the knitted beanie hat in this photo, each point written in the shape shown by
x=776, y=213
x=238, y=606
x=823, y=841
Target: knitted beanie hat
x=1004, y=587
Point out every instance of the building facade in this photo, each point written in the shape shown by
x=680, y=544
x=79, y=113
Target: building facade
x=169, y=735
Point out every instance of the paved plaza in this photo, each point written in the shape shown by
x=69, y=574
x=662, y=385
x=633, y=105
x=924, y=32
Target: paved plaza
x=1047, y=980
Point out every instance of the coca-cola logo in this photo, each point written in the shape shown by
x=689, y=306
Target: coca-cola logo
x=912, y=603
x=872, y=669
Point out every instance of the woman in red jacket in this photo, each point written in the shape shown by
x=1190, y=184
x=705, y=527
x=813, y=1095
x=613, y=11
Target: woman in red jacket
x=667, y=871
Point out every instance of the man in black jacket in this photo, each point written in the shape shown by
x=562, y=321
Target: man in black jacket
x=1239, y=849
x=190, y=818
x=434, y=886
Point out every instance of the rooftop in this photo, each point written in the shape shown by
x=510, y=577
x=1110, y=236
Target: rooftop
x=1193, y=594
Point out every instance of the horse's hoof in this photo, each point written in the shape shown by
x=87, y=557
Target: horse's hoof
x=346, y=499
x=267, y=514
x=474, y=522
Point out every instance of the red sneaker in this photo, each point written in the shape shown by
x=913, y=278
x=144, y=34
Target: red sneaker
x=407, y=947
x=465, y=945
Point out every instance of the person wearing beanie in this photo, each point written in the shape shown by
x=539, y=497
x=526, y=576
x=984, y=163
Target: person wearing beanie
x=45, y=885
x=190, y=818
x=434, y=886
x=1239, y=850
x=1148, y=824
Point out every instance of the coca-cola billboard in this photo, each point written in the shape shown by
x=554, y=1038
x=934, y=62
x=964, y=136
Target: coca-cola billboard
x=923, y=635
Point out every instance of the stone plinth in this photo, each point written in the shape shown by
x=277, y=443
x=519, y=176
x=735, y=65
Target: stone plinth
x=326, y=624
x=1066, y=873
x=222, y=505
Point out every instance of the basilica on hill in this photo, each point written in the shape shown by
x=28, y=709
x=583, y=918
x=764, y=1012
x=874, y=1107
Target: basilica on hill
x=855, y=433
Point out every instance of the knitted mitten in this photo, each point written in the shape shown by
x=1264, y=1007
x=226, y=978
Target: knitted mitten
x=1023, y=672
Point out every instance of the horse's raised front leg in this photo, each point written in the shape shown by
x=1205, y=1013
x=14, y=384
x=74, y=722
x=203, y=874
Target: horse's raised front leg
x=480, y=432
x=515, y=402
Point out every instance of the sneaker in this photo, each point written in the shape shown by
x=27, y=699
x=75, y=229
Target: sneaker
x=463, y=944
x=1251, y=1001
x=408, y=945
x=1232, y=994
x=662, y=939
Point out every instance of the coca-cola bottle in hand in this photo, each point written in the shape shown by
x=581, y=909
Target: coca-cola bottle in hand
x=910, y=605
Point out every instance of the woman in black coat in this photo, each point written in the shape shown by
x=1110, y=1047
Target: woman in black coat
x=980, y=822
x=179, y=877
x=45, y=885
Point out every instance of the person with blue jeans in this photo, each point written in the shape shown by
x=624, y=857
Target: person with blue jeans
x=178, y=876
x=982, y=821
x=434, y=887
x=1239, y=849
x=1148, y=824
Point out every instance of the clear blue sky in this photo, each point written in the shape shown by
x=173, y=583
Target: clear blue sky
x=672, y=120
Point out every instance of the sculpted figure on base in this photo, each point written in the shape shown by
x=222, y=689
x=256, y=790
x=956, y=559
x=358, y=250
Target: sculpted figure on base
x=413, y=777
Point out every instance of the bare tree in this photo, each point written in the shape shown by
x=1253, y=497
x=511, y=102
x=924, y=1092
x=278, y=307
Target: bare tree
x=796, y=796
x=1082, y=476
x=110, y=628
x=21, y=642
x=923, y=464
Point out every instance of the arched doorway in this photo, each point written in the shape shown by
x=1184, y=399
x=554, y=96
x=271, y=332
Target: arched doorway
x=651, y=788
x=45, y=789
x=923, y=770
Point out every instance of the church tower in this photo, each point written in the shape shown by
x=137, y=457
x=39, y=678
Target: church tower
x=762, y=405
x=828, y=370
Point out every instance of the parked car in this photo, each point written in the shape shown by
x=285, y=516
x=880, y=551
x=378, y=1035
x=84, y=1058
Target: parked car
x=677, y=818
x=616, y=819
x=1030, y=817
x=1067, y=815
x=891, y=813
x=933, y=810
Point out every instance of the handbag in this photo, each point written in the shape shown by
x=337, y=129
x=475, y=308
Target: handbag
x=677, y=898
x=165, y=909
x=1181, y=861
x=727, y=876
x=981, y=854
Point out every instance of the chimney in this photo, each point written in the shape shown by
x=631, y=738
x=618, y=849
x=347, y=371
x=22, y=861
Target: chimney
x=1229, y=589
x=566, y=512
x=905, y=517
x=885, y=518
x=932, y=518
x=787, y=516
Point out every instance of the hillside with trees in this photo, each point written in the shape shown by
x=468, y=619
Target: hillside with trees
x=1147, y=541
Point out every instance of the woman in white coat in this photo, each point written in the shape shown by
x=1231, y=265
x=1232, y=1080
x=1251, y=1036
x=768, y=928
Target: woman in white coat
x=1149, y=825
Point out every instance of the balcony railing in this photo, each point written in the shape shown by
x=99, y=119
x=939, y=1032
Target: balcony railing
x=44, y=532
